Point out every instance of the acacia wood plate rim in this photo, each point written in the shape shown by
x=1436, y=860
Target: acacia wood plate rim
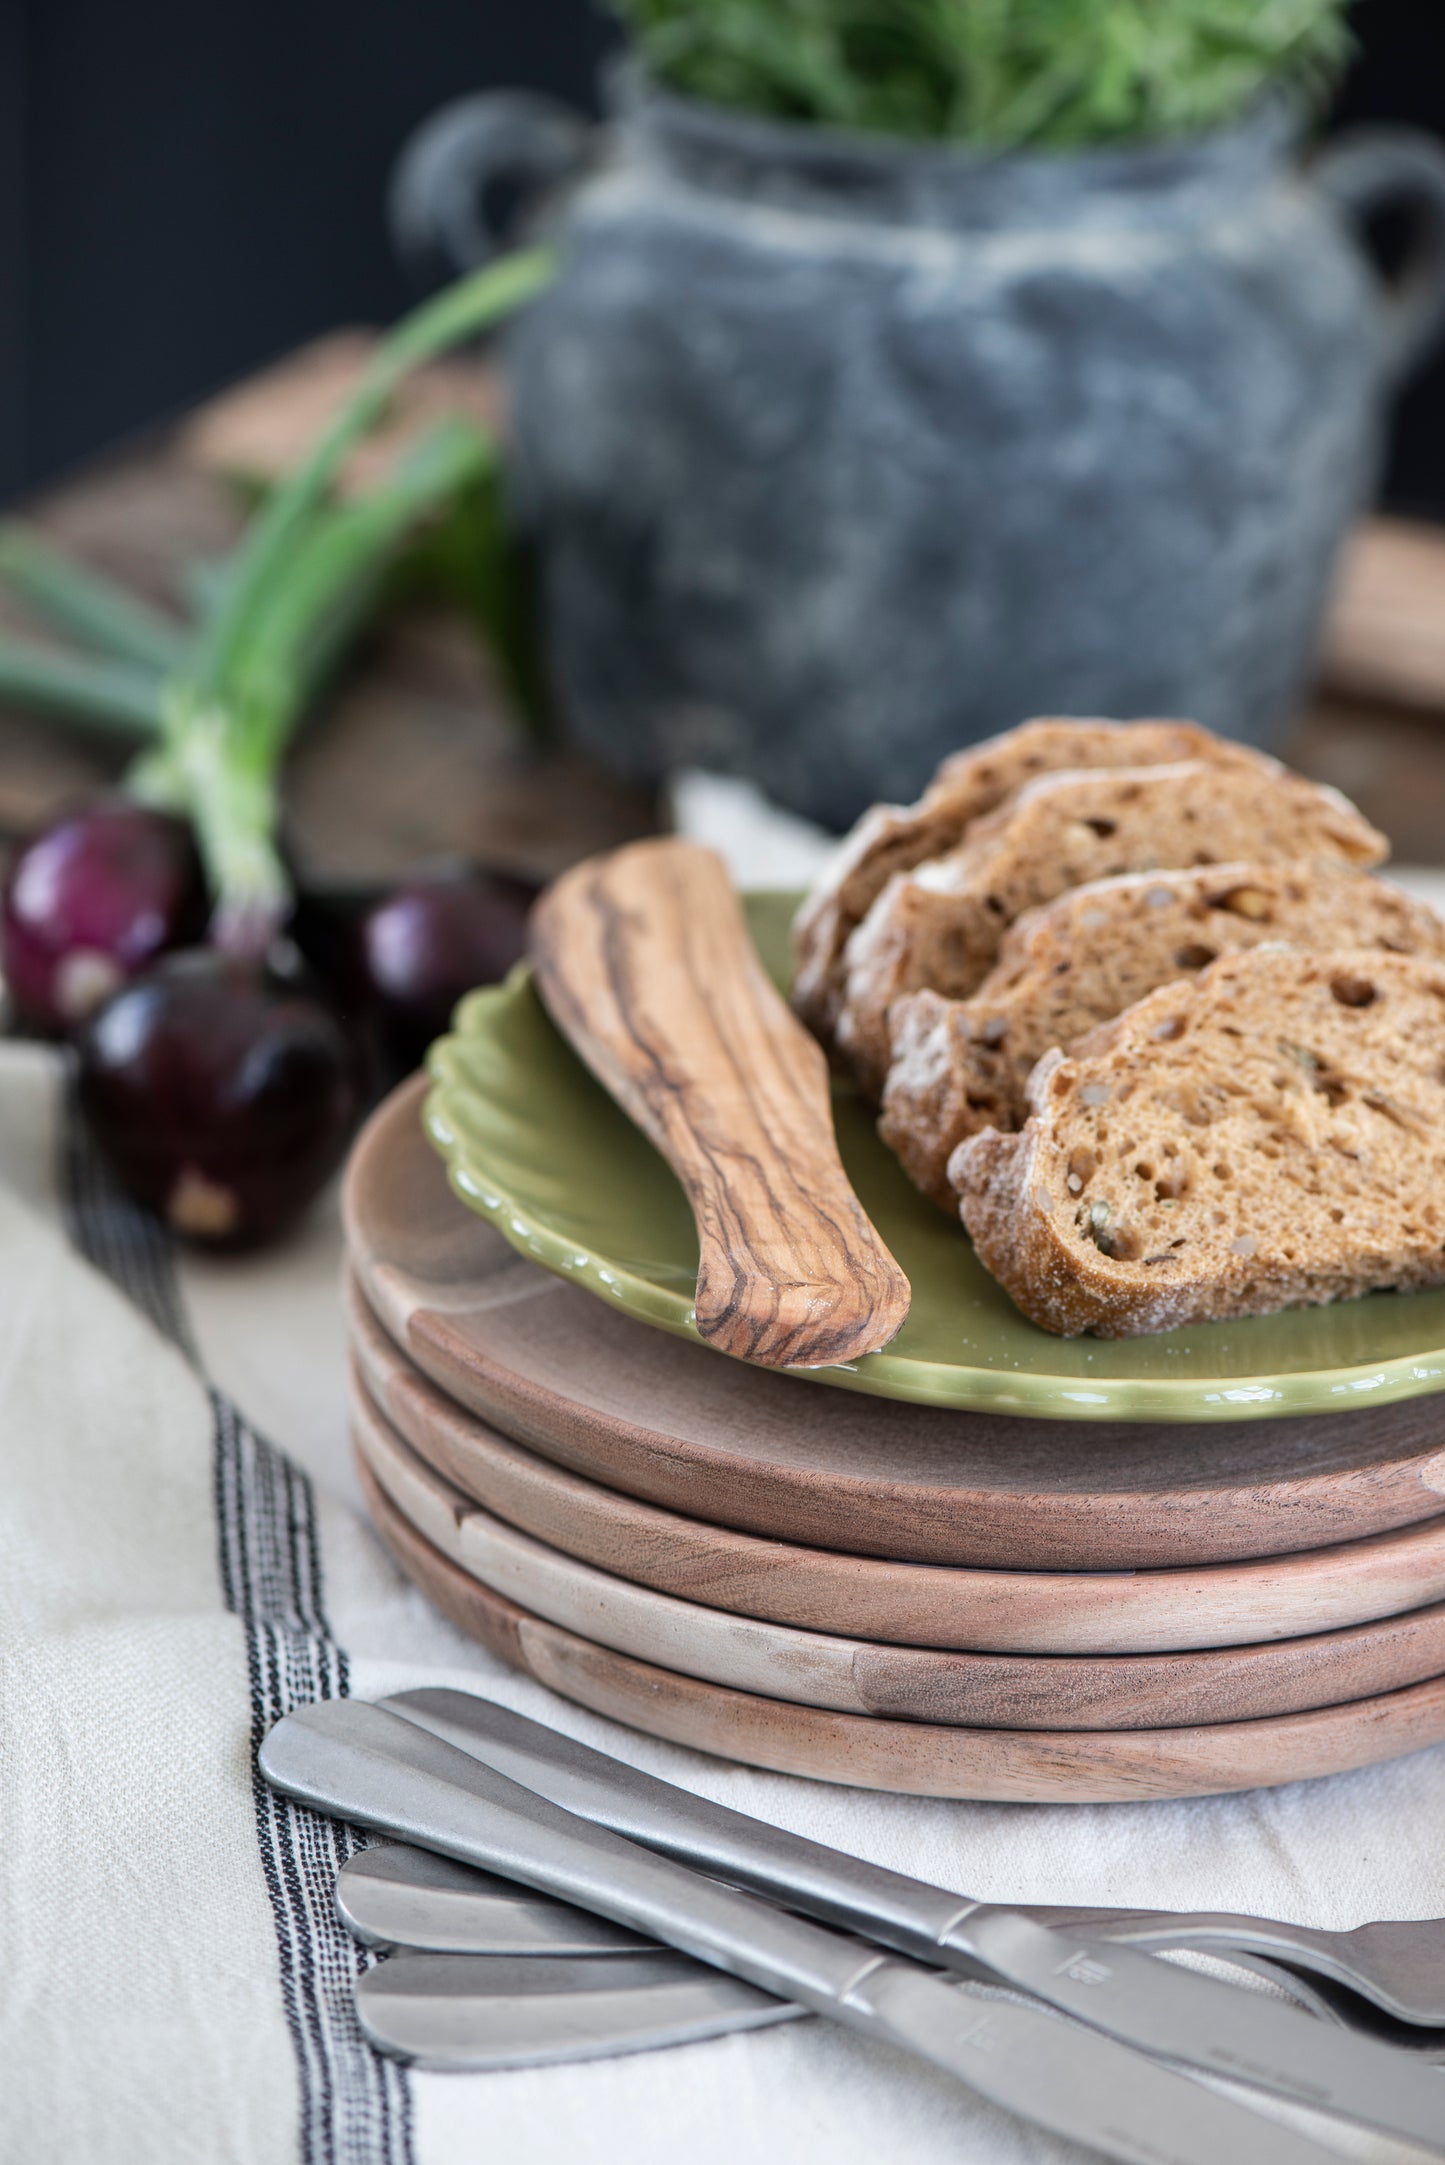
x=849, y=1675
x=949, y=1608
x=678, y=1426
x=915, y=1758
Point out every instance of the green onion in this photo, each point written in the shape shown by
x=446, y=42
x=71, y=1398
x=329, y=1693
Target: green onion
x=347, y=548
x=220, y=699
x=227, y=753
x=109, y=695
x=95, y=610
x=462, y=312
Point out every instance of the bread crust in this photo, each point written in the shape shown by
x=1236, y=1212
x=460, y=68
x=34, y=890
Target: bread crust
x=1270, y=1134
x=940, y=926
x=892, y=838
x=959, y=1066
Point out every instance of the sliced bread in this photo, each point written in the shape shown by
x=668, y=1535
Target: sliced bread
x=940, y=926
x=894, y=837
x=1268, y=1134
x=959, y=1066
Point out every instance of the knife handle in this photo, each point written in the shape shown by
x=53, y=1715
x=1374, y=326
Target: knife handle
x=848, y=1893
x=645, y=964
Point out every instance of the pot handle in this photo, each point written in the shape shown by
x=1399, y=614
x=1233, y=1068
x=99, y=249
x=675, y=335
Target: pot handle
x=1368, y=171
x=477, y=173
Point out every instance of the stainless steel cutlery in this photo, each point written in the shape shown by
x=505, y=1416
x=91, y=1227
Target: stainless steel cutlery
x=1157, y=2006
x=374, y=1767
x=400, y=1897
x=396, y=1896
x=493, y=1975
x=454, y=2012
x=1399, y=1964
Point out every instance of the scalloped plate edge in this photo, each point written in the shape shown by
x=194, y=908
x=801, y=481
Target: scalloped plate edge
x=927, y=1383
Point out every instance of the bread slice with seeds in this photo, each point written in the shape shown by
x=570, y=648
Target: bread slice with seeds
x=940, y=926
x=959, y=1066
x=895, y=837
x=1266, y=1135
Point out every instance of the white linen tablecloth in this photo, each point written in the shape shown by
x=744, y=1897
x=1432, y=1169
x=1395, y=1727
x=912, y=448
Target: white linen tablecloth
x=183, y=1557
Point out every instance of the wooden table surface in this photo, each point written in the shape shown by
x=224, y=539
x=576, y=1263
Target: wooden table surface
x=415, y=759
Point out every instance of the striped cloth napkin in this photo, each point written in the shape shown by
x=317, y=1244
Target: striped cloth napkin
x=183, y=1557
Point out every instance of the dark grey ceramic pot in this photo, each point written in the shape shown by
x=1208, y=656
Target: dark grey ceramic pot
x=842, y=452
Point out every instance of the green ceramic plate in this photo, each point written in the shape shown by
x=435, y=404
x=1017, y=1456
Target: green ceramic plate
x=534, y=1144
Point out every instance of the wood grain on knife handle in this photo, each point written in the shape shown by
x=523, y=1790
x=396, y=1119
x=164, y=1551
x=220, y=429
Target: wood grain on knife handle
x=645, y=963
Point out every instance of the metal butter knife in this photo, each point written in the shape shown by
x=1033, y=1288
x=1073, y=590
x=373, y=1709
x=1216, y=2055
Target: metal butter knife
x=1398, y=1964
x=493, y=1975
x=1157, y=2006
x=459, y=2012
x=366, y=1764
x=392, y=1895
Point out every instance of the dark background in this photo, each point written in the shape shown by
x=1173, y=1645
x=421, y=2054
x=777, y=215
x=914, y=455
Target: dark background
x=188, y=189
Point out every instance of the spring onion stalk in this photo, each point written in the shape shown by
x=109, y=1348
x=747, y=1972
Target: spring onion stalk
x=351, y=547
x=226, y=753
x=203, y=582
x=92, y=609
x=121, y=700
x=220, y=699
x=462, y=312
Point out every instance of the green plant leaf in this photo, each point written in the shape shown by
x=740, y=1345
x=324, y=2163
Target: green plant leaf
x=1052, y=74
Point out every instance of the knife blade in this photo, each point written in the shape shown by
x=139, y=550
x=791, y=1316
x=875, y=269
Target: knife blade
x=407, y=1898
x=369, y=1765
x=1156, y=2006
x=394, y=1896
x=456, y=2012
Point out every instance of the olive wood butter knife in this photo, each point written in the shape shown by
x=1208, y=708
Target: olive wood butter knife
x=645, y=964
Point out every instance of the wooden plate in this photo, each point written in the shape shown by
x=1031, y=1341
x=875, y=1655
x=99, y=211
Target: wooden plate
x=665, y=1419
x=535, y=1143
x=916, y=1758
x=902, y=1682
x=956, y=1607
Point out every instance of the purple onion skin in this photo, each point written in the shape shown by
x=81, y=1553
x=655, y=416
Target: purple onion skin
x=222, y=1098
x=427, y=944
x=90, y=903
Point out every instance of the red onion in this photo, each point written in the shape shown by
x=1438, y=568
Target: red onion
x=90, y=903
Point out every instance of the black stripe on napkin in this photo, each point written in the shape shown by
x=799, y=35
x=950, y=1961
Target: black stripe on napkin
x=355, y=2104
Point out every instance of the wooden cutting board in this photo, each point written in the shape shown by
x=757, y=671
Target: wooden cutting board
x=666, y=1420
x=956, y=1607
x=915, y=1758
x=900, y=1682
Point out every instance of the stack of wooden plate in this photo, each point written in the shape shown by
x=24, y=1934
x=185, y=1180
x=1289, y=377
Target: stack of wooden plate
x=901, y=1596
